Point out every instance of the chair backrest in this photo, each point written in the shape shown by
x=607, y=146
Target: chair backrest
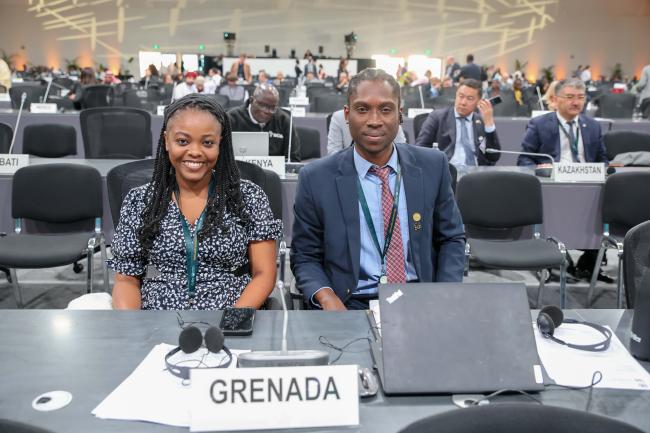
x=50, y=140
x=35, y=93
x=6, y=134
x=518, y=418
x=309, y=143
x=617, y=142
x=418, y=121
x=317, y=90
x=121, y=179
x=508, y=106
x=636, y=259
x=500, y=199
x=130, y=98
x=222, y=100
x=99, y=95
x=328, y=103
x=626, y=201
x=64, y=82
x=616, y=106
x=116, y=132
x=57, y=193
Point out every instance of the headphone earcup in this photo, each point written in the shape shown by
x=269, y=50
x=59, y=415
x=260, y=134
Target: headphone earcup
x=190, y=339
x=214, y=339
x=545, y=324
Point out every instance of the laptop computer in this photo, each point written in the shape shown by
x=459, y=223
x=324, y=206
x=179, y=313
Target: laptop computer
x=250, y=143
x=450, y=338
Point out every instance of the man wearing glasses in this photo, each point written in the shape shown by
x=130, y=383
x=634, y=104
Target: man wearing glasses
x=568, y=136
x=261, y=113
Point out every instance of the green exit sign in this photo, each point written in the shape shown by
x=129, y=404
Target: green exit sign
x=392, y=51
x=427, y=52
x=201, y=47
x=155, y=46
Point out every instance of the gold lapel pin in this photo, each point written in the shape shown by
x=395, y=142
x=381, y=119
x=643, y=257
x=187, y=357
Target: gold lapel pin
x=478, y=121
x=416, y=221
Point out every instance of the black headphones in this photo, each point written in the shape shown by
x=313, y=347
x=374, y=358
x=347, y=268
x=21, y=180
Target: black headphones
x=551, y=317
x=189, y=341
x=401, y=118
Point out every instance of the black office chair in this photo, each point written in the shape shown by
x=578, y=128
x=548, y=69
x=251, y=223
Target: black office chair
x=99, y=95
x=616, y=106
x=617, y=142
x=50, y=140
x=626, y=203
x=329, y=103
x=496, y=206
x=131, y=98
x=315, y=90
x=6, y=134
x=35, y=93
x=8, y=426
x=222, y=100
x=418, y=121
x=636, y=259
x=518, y=418
x=645, y=108
x=116, y=133
x=508, y=106
x=60, y=194
x=309, y=143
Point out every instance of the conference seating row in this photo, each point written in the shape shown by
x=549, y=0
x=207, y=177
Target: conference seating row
x=112, y=133
x=495, y=205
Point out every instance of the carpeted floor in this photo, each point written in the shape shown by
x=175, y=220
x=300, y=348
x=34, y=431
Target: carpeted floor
x=55, y=288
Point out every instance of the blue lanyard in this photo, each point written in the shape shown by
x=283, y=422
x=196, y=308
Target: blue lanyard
x=391, y=223
x=191, y=242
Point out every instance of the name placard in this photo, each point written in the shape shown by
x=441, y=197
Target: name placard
x=298, y=100
x=10, y=162
x=273, y=163
x=160, y=110
x=579, y=172
x=47, y=108
x=4, y=97
x=274, y=398
x=412, y=112
x=298, y=111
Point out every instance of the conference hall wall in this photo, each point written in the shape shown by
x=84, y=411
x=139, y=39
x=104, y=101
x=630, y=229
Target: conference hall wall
x=564, y=33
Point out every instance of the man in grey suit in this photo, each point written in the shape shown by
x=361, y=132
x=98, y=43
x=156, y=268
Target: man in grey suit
x=470, y=70
x=460, y=131
x=376, y=212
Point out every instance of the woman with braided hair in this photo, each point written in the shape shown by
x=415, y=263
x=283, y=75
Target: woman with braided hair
x=196, y=236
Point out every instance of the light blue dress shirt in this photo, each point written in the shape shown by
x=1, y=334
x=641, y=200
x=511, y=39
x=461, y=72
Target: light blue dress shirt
x=370, y=260
x=459, y=151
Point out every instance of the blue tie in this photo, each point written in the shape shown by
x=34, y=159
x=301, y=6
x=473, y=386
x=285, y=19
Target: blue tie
x=465, y=142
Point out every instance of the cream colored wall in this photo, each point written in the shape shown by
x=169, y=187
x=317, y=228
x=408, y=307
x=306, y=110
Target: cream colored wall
x=544, y=32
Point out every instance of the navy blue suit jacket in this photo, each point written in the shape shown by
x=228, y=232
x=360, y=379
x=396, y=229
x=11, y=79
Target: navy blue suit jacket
x=543, y=136
x=325, y=250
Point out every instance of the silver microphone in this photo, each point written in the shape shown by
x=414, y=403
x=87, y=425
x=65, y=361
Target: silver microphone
x=284, y=357
x=23, y=98
x=542, y=172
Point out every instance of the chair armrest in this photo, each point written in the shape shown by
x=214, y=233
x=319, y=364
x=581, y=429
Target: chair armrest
x=560, y=245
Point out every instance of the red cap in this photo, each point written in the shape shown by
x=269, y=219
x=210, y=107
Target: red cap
x=191, y=74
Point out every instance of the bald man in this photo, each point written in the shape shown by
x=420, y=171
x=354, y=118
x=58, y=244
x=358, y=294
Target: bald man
x=261, y=113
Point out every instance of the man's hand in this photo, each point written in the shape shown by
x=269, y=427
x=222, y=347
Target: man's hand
x=328, y=300
x=485, y=108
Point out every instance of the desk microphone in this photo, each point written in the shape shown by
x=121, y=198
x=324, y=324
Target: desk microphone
x=23, y=98
x=284, y=357
x=47, y=91
x=540, y=172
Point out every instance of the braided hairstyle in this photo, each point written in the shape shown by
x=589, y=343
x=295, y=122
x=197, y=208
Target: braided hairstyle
x=227, y=195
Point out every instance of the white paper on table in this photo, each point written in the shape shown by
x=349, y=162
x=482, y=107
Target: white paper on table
x=573, y=367
x=153, y=394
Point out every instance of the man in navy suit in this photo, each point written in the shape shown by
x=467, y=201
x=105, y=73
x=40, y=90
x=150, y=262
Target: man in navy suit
x=568, y=136
x=463, y=131
x=375, y=212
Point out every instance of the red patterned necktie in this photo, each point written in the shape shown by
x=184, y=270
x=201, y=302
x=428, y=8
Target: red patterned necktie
x=395, y=269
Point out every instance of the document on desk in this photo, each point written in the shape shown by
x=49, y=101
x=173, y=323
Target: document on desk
x=153, y=394
x=572, y=367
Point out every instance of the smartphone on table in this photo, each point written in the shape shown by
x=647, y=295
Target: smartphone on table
x=237, y=321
